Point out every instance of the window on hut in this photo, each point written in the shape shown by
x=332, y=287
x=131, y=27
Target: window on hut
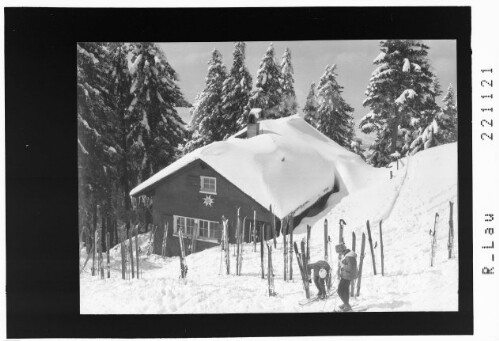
x=208, y=185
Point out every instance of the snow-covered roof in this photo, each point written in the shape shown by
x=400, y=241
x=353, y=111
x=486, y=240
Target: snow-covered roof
x=289, y=165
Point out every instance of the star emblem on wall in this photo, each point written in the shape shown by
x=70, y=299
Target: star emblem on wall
x=208, y=201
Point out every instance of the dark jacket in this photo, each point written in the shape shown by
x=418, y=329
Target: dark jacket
x=349, y=266
x=322, y=264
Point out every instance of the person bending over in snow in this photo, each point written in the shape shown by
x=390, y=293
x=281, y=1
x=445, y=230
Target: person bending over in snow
x=322, y=276
x=348, y=271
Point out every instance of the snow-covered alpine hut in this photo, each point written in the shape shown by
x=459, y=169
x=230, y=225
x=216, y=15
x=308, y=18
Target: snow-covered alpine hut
x=285, y=164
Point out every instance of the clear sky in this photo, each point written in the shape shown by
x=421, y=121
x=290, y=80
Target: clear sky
x=353, y=59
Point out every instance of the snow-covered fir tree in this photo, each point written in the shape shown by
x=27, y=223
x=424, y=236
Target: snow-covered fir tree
x=97, y=145
x=311, y=105
x=120, y=80
x=156, y=130
x=335, y=115
x=401, y=95
x=236, y=92
x=442, y=129
x=288, y=101
x=356, y=147
x=449, y=109
x=267, y=94
x=207, y=114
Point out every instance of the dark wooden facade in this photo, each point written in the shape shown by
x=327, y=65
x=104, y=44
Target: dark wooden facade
x=179, y=195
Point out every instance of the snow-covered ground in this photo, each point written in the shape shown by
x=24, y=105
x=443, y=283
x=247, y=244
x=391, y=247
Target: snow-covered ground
x=407, y=204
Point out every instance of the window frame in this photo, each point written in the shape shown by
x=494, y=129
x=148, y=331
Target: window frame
x=203, y=190
x=197, y=222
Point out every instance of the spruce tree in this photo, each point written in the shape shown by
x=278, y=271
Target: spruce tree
x=401, y=94
x=311, y=106
x=288, y=101
x=207, y=110
x=97, y=153
x=120, y=79
x=236, y=92
x=155, y=129
x=449, y=117
x=335, y=115
x=267, y=94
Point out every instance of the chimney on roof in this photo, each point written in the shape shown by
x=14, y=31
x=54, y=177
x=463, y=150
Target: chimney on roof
x=253, y=125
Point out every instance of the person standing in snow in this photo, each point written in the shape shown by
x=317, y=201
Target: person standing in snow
x=322, y=274
x=348, y=271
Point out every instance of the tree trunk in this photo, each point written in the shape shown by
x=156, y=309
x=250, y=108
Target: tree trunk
x=104, y=230
x=125, y=179
x=394, y=133
x=94, y=216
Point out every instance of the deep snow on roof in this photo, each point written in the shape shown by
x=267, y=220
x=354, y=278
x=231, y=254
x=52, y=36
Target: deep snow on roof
x=289, y=165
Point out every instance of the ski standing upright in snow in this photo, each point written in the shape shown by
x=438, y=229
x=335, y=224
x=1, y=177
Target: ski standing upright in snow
x=225, y=223
x=238, y=244
x=108, y=245
x=433, y=235
x=340, y=241
x=304, y=276
x=183, y=264
x=164, y=241
x=150, y=244
x=362, y=254
x=262, y=237
x=290, y=224
x=130, y=247
x=285, y=246
x=270, y=271
x=241, y=247
x=450, y=242
x=137, y=250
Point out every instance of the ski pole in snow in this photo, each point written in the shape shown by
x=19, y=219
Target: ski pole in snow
x=362, y=254
x=381, y=248
x=371, y=246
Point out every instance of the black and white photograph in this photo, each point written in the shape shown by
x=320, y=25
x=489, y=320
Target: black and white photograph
x=252, y=177
x=264, y=170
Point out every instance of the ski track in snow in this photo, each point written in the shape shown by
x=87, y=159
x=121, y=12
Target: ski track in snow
x=410, y=200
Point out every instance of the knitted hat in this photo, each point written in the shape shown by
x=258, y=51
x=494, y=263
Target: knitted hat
x=340, y=248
